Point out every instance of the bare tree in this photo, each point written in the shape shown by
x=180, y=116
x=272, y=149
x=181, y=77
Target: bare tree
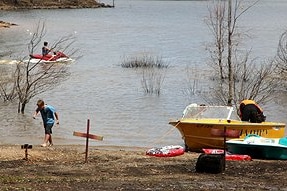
x=238, y=76
x=7, y=82
x=7, y=90
x=216, y=23
x=281, y=59
x=282, y=51
x=32, y=78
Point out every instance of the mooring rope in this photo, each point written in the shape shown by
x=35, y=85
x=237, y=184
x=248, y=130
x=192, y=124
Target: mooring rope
x=164, y=135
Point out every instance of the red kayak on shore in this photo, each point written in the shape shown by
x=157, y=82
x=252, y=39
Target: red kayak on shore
x=167, y=151
x=228, y=156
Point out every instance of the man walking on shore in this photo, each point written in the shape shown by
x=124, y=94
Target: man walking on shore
x=48, y=114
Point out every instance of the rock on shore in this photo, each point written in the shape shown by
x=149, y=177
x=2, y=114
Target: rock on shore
x=5, y=24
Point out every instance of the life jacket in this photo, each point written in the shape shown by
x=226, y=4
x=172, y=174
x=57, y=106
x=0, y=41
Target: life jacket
x=260, y=116
x=248, y=101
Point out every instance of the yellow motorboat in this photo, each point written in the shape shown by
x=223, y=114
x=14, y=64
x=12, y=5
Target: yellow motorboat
x=208, y=127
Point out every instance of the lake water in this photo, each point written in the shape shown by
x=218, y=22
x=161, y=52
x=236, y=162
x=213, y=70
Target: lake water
x=112, y=97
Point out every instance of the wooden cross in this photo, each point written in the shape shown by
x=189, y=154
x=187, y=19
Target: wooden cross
x=88, y=136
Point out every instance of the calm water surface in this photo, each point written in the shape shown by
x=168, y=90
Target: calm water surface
x=112, y=97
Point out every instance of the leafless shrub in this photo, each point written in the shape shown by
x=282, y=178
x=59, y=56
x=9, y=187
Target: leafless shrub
x=145, y=61
x=152, y=80
x=152, y=71
x=195, y=81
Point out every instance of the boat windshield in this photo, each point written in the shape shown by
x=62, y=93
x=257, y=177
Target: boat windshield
x=220, y=112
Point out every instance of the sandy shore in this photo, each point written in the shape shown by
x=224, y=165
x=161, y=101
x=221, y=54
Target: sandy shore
x=118, y=168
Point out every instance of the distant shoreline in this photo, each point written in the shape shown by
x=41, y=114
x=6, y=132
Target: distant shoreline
x=47, y=4
x=51, y=4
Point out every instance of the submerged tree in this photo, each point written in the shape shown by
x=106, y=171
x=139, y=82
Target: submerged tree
x=236, y=75
x=7, y=83
x=7, y=86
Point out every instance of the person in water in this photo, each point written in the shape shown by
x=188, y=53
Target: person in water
x=250, y=111
x=49, y=114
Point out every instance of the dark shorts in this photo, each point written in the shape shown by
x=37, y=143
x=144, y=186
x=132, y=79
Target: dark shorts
x=48, y=129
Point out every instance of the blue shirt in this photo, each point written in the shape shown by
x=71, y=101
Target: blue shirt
x=48, y=114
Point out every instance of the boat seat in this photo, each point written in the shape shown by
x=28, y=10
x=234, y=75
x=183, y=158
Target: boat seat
x=283, y=141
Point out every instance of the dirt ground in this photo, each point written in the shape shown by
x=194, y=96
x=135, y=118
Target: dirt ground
x=114, y=168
